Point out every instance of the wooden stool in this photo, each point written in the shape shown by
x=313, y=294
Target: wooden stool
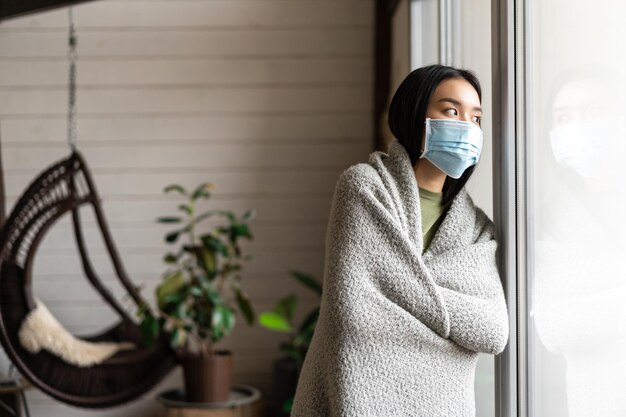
x=243, y=402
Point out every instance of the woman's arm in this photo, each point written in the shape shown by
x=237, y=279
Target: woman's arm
x=469, y=310
x=476, y=301
x=476, y=323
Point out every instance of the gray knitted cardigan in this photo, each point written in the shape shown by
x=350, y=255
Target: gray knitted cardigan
x=399, y=332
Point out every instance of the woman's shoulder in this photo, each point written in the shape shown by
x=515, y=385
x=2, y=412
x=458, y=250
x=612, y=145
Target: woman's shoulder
x=485, y=228
x=360, y=175
x=361, y=178
x=466, y=208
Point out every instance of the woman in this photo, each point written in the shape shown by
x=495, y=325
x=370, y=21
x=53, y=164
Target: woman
x=400, y=328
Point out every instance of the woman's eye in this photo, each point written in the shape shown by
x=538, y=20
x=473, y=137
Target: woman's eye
x=477, y=118
x=451, y=109
x=560, y=119
x=594, y=111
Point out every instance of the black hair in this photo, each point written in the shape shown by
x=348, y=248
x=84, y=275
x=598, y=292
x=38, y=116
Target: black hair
x=596, y=73
x=407, y=113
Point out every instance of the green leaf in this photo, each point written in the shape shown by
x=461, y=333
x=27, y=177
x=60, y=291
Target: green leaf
x=230, y=215
x=304, y=337
x=202, y=279
x=201, y=194
x=149, y=329
x=244, y=305
x=206, y=260
x=170, y=285
x=240, y=230
x=310, y=320
x=169, y=219
x=211, y=242
x=172, y=236
x=222, y=322
x=170, y=258
x=175, y=187
x=181, y=311
x=196, y=291
x=230, y=319
x=286, y=307
x=288, y=405
x=308, y=281
x=288, y=348
x=206, y=214
x=249, y=215
x=273, y=321
x=176, y=337
x=218, y=317
x=185, y=208
x=201, y=191
x=189, y=248
x=212, y=295
x=172, y=301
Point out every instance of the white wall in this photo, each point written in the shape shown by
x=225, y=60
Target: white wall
x=268, y=99
x=475, y=35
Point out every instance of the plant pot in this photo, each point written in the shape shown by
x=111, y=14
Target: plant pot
x=284, y=380
x=208, y=378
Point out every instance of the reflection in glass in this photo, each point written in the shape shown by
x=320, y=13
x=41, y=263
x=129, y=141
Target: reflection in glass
x=577, y=277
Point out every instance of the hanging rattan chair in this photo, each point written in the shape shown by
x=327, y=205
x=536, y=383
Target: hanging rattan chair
x=63, y=188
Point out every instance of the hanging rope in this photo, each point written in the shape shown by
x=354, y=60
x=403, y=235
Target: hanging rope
x=71, y=117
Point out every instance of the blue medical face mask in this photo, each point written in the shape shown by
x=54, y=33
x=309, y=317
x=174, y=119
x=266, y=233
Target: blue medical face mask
x=591, y=147
x=452, y=145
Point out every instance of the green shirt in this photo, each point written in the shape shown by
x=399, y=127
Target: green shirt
x=431, y=211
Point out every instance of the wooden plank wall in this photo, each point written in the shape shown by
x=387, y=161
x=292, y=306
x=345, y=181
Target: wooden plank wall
x=268, y=99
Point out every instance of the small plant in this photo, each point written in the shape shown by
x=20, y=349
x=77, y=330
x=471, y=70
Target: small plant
x=192, y=309
x=280, y=319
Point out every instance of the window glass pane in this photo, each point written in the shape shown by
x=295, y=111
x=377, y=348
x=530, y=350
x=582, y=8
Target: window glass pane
x=576, y=190
x=424, y=33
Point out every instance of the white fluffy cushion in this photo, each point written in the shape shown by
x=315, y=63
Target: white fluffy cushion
x=40, y=330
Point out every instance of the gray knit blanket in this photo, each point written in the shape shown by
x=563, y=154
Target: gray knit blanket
x=399, y=332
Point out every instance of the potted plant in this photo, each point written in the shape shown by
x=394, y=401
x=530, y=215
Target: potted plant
x=192, y=308
x=286, y=369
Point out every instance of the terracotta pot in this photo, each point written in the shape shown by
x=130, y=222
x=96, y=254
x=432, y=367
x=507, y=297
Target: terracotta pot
x=208, y=378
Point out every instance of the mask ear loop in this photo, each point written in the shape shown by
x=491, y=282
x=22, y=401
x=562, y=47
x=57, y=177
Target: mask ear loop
x=479, y=145
x=427, y=134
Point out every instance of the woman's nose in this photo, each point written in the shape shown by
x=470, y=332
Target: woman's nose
x=466, y=117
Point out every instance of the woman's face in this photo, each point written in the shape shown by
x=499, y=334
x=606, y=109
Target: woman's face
x=454, y=98
x=585, y=99
x=588, y=132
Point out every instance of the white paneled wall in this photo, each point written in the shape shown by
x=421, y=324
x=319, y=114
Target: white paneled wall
x=268, y=99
